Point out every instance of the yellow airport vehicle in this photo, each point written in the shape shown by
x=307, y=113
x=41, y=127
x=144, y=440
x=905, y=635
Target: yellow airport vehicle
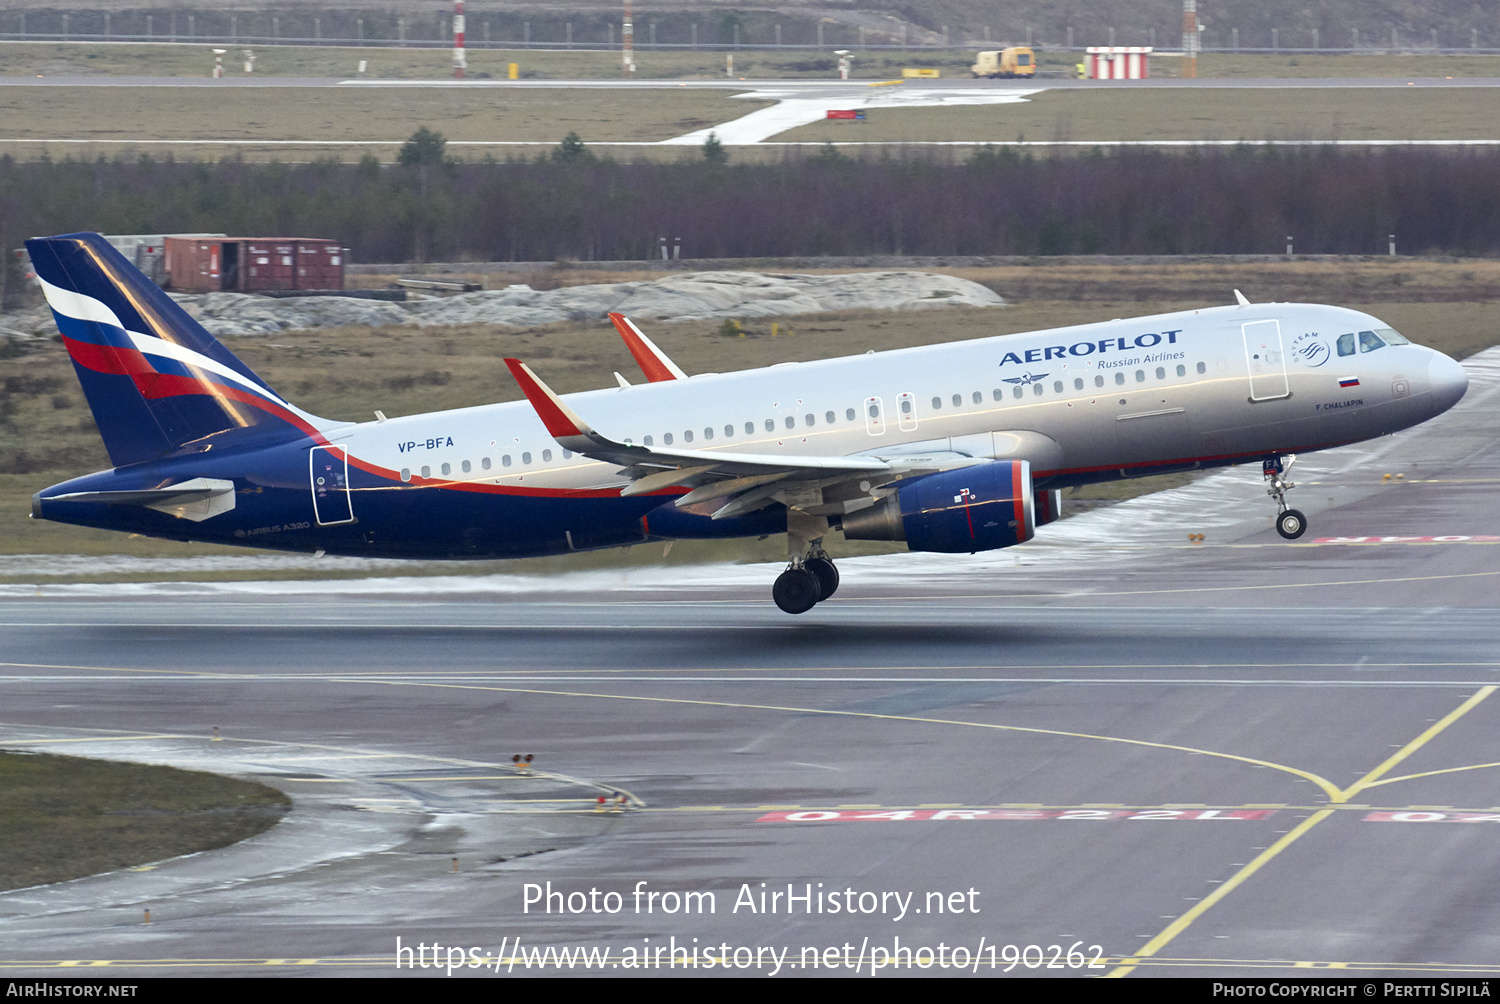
x=1017, y=61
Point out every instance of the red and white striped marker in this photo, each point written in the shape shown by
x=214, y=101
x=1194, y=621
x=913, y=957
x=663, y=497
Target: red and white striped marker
x=460, y=61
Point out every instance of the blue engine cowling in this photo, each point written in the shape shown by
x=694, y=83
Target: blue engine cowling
x=976, y=508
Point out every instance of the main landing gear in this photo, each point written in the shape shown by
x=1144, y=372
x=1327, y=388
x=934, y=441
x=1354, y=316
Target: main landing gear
x=806, y=583
x=810, y=575
x=1290, y=523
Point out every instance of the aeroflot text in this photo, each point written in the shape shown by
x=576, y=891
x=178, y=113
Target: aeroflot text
x=808, y=898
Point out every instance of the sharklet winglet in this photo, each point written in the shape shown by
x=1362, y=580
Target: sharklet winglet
x=560, y=420
x=652, y=360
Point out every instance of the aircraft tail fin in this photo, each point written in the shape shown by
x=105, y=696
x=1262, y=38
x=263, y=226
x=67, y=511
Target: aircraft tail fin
x=156, y=381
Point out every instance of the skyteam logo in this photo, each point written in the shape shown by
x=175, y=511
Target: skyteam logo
x=1310, y=350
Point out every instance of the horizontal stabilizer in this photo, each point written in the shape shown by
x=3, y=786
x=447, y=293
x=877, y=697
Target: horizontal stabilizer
x=194, y=500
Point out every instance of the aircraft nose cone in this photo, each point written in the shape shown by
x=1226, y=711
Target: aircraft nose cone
x=1448, y=381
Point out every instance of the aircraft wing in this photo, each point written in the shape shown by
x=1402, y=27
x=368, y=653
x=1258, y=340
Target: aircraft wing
x=725, y=483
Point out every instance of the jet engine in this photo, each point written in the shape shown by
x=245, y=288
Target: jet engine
x=976, y=508
x=1048, y=505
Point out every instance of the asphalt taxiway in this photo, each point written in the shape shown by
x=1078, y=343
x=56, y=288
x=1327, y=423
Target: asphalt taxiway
x=1240, y=757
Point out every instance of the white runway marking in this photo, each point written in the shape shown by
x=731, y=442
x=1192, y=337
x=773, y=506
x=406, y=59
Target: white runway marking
x=792, y=110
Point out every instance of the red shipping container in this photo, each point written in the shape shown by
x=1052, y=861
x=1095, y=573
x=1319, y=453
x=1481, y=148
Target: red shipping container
x=252, y=264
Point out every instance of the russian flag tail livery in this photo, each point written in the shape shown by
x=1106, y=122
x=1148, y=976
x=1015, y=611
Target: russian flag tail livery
x=157, y=382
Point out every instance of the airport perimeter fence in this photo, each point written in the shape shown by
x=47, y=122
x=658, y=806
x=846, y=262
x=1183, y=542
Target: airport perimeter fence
x=727, y=34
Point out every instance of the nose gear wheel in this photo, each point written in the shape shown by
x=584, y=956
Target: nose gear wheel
x=1290, y=523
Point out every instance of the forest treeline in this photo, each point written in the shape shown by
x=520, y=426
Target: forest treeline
x=996, y=202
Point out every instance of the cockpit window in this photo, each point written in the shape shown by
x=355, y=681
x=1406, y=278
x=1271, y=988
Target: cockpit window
x=1346, y=344
x=1392, y=337
x=1369, y=341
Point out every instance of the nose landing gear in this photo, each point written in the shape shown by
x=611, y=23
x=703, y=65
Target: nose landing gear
x=1290, y=523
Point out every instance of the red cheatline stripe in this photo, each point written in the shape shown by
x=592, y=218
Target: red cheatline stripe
x=1018, y=503
x=647, y=360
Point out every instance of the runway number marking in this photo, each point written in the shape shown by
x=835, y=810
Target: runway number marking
x=903, y=815
x=1432, y=817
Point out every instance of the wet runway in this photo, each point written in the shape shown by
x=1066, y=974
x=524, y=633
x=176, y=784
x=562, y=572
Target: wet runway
x=1246, y=757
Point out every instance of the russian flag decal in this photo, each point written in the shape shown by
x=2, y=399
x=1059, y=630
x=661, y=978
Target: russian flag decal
x=1349, y=382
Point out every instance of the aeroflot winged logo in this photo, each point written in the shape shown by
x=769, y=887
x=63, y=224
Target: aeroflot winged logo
x=1103, y=346
x=1025, y=378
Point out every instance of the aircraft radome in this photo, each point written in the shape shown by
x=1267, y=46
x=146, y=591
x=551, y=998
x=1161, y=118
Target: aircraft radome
x=958, y=447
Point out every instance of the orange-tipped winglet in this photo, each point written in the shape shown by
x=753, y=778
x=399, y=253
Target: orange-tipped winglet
x=557, y=417
x=652, y=360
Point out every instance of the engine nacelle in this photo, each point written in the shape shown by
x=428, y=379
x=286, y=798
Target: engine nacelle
x=977, y=508
x=1048, y=505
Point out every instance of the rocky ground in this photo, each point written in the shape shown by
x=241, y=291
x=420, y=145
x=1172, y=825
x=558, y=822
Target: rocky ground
x=692, y=296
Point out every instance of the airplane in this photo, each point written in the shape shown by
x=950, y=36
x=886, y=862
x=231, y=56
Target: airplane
x=957, y=447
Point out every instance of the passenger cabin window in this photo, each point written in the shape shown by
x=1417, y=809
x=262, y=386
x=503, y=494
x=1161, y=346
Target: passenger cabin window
x=770, y=425
x=1057, y=386
x=1078, y=383
x=1036, y=389
x=505, y=460
x=849, y=414
x=1098, y=381
x=406, y=474
x=828, y=418
x=1203, y=367
x=1181, y=370
x=546, y=458
x=427, y=472
x=465, y=467
x=485, y=463
x=667, y=438
x=447, y=469
x=708, y=433
x=525, y=458
x=958, y=399
x=978, y=397
x=937, y=404
x=728, y=431
x=1140, y=376
x=791, y=423
x=687, y=437
x=749, y=428
x=1346, y=344
x=1161, y=372
x=647, y=441
x=998, y=393
x=809, y=420
x=1119, y=378
x=1369, y=341
x=1017, y=391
